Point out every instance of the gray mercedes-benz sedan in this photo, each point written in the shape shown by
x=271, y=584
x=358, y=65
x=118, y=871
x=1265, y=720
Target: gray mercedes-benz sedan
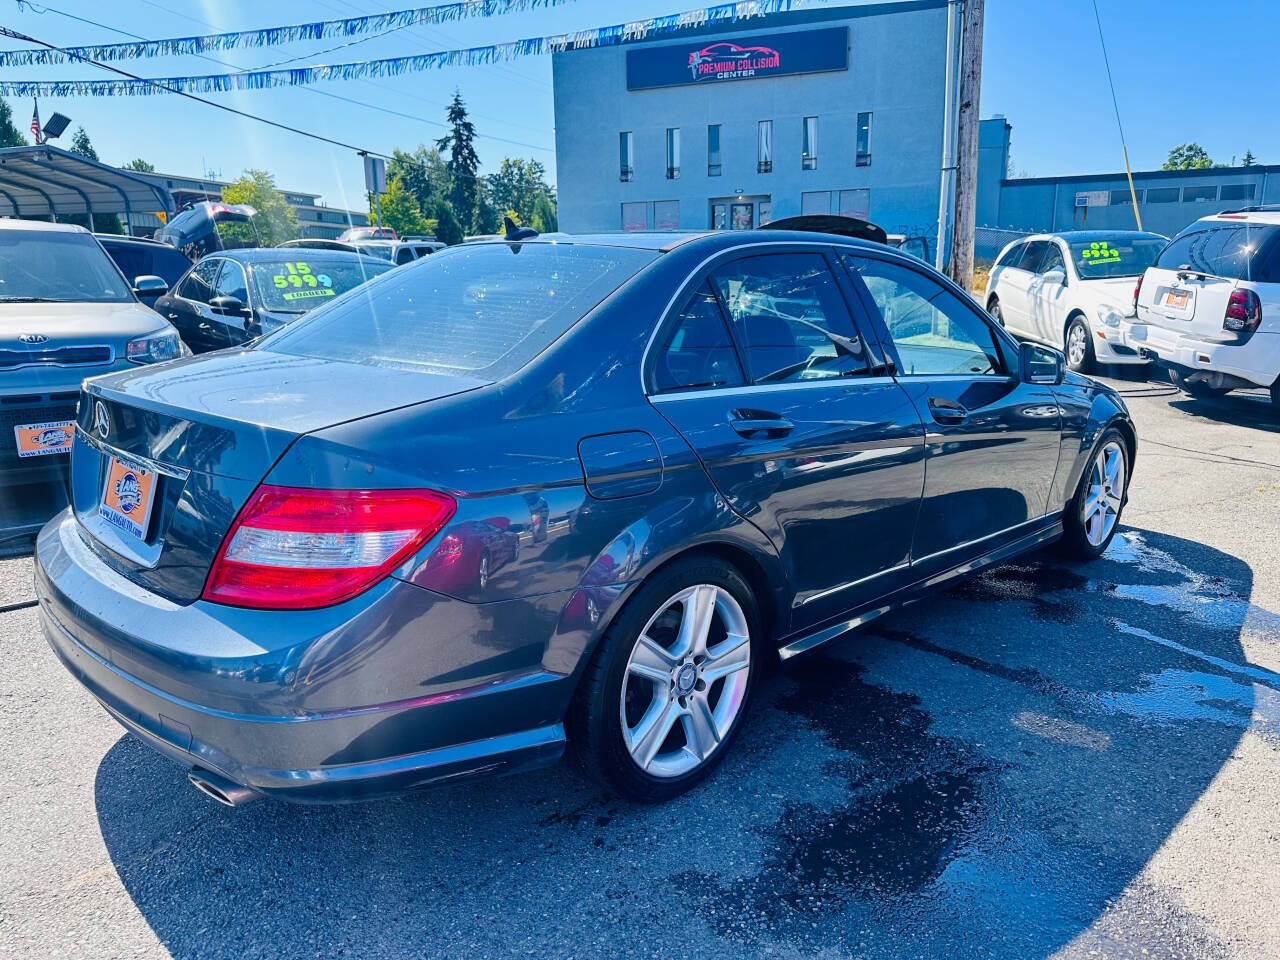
x=66, y=313
x=530, y=493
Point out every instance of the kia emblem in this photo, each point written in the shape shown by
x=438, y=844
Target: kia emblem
x=101, y=422
x=33, y=338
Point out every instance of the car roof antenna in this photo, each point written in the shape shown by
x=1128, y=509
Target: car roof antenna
x=514, y=232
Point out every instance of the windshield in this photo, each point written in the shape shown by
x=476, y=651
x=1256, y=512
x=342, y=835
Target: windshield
x=52, y=265
x=299, y=285
x=1236, y=251
x=1115, y=256
x=490, y=307
x=380, y=250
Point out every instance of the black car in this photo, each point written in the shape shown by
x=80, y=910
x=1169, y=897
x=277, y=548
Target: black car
x=229, y=298
x=138, y=257
x=209, y=226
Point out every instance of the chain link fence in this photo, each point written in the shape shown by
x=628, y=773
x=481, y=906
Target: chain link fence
x=989, y=241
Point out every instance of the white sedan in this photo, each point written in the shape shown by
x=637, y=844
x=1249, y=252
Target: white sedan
x=1074, y=290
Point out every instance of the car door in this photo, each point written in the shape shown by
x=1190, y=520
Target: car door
x=764, y=372
x=230, y=329
x=992, y=441
x=1015, y=282
x=1047, y=298
x=188, y=307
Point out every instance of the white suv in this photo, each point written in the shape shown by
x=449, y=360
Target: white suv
x=1074, y=291
x=1209, y=308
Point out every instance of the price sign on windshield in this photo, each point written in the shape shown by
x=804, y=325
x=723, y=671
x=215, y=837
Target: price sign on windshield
x=300, y=282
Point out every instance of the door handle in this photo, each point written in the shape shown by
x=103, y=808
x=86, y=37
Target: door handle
x=173, y=316
x=748, y=423
x=947, y=411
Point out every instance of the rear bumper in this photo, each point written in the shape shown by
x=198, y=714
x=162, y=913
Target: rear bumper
x=294, y=721
x=1114, y=344
x=1257, y=361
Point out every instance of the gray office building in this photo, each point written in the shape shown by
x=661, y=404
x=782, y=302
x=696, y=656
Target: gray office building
x=832, y=110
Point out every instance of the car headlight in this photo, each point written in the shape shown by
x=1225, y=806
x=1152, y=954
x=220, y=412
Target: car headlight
x=1109, y=316
x=156, y=348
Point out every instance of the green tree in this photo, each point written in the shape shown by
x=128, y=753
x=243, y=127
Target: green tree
x=276, y=220
x=10, y=135
x=544, y=218
x=400, y=210
x=80, y=144
x=1188, y=156
x=463, y=164
x=1248, y=160
x=422, y=172
x=139, y=165
x=518, y=185
x=485, y=218
x=448, y=229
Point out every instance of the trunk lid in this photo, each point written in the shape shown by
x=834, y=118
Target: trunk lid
x=1185, y=301
x=185, y=444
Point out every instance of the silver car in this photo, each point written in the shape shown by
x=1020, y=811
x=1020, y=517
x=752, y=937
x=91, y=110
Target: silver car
x=66, y=313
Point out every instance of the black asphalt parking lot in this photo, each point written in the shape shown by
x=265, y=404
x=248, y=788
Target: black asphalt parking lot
x=1049, y=760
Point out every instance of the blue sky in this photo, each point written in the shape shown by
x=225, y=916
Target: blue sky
x=1184, y=70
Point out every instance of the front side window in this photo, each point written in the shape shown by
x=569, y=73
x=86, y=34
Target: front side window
x=809, y=154
x=231, y=282
x=698, y=354
x=1115, y=257
x=1229, y=250
x=296, y=286
x=1052, y=260
x=484, y=309
x=863, y=158
x=673, y=152
x=626, y=156
x=933, y=330
x=57, y=266
x=199, y=283
x=1032, y=254
x=713, y=150
x=764, y=146
x=789, y=318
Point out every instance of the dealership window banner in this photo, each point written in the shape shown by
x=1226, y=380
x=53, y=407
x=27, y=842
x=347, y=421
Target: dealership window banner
x=725, y=13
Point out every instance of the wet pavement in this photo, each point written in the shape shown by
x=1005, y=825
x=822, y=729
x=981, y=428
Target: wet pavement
x=1049, y=760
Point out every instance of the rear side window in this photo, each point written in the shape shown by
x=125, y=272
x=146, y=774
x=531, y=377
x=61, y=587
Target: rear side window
x=488, y=307
x=789, y=318
x=698, y=354
x=199, y=283
x=1236, y=251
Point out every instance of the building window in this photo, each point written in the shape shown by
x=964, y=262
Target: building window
x=1237, y=191
x=1163, y=194
x=764, y=147
x=1190, y=194
x=666, y=215
x=864, y=140
x=719, y=216
x=673, y=152
x=809, y=158
x=816, y=201
x=741, y=216
x=626, y=156
x=635, y=216
x=856, y=203
x=1121, y=197
x=764, y=211
x=713, y=150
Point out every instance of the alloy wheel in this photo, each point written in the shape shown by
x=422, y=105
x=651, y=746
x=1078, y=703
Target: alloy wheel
x=1105, y=496
x=686, y=680
x=1077, y=344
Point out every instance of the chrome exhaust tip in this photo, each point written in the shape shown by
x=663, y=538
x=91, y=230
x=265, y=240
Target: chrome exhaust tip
x=226, y=792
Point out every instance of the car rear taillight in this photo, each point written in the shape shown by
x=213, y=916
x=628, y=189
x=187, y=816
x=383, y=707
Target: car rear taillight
x=1244, y=312
x=294, y=548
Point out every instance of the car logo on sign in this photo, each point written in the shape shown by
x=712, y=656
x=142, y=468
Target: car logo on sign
x=101, y=422
x=33, y=338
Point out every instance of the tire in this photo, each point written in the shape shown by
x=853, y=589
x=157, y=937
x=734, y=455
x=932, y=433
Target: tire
x=1194, y=388
x=996, y=314
x=1077, y=344
x=620, y=697
x=1275, y=394
x=1081, y=538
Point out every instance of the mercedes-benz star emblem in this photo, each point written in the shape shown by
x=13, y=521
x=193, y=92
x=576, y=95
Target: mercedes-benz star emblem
x=33, y=338
x=101, y=423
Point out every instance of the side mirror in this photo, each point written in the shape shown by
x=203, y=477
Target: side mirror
x=1041, y=364
x=149, y=285
x=1055, y=278
x=231, y=306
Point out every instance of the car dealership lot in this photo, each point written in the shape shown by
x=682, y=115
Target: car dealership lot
x=1046, y=758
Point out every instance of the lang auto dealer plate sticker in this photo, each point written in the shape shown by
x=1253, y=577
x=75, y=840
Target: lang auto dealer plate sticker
x=127, y=498
x=43, y=439
x=299, y=283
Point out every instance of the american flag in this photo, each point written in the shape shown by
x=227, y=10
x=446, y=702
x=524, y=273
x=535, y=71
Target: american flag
x=35, y=120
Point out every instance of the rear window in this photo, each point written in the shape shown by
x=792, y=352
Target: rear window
x=1235, y=251
x=488, y=307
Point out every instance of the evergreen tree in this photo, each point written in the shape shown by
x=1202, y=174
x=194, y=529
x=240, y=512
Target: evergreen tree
x=1248, y=160
x=485, y=218
x=448, y=229
x=10, y=135
x=139, y=165
x=544, y=218
x=80, y=144
x=463, y=164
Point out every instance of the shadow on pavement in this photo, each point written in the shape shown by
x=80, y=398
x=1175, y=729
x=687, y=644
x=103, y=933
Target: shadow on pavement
x=983, y=775
x=1239, y=409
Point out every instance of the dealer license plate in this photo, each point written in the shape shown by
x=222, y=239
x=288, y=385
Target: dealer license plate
x=44, y=439
x=128, y=497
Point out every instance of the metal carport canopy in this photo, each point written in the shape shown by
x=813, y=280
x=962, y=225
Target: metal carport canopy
x=44, y=181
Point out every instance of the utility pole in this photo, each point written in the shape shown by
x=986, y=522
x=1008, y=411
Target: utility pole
x=947, y=184
x=967, y=145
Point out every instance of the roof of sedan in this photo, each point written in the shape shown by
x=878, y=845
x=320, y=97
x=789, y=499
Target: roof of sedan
x=663, y=242
x=1088, y=236
x=260, y=254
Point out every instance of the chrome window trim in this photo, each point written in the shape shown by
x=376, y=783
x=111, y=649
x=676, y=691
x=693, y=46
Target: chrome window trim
x=764, y=245
x=752, y=388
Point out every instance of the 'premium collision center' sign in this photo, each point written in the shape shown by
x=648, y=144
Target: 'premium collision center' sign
x=746, y=58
